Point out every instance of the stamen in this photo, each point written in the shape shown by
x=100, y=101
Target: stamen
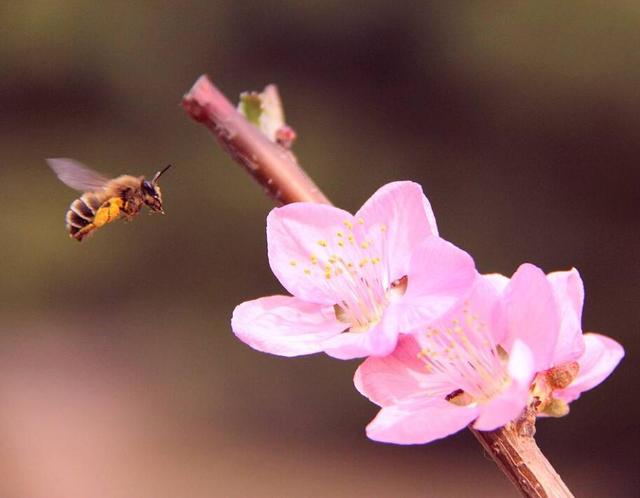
x=463, y=357
x=351, y=265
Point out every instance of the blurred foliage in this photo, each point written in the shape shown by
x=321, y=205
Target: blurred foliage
x=521, y=121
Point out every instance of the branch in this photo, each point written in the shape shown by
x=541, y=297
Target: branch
x=519, y=457
x=273, y=166
x=513, y=447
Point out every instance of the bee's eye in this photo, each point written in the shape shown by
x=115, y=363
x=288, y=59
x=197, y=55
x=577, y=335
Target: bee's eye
x=148, y=188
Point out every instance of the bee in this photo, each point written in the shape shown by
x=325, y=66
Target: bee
x=104, y=200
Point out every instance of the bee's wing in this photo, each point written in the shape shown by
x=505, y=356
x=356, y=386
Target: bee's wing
x=77, y=175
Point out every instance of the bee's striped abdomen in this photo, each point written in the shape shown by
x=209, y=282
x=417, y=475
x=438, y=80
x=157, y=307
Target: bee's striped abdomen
x=81, y=213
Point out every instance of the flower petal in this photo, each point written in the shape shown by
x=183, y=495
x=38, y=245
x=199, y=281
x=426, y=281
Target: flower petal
x=300, y=238
x=569, y=295
x=419, y=421
x=508, y=405
x=498, y=280
x=379, y=340
x=601, y=355
x=387, y=380
x=532, y=315
x=285, y=325
x=502, y=409
x=440, y=276
x=405, y=215
x=521, y=364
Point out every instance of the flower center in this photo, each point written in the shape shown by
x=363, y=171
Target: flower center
x=467, y=367
x=351, y=265
x=368, y=303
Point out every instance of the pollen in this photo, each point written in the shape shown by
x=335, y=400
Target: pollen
x=351, y=239
x=361, y=221
x=348, y=224
x=364, y=245
x=293, y=262
x=307, y=271
x=340, y=243
x=314, y=259
x=363, y=262
x=340, y=234
x=322, y=243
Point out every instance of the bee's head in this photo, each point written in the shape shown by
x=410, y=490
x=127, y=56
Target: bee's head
x=151, y=192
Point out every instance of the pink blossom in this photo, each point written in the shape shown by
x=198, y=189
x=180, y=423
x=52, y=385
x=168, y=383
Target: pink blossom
x=474, y=365
x=356, y=281
x=580, y=361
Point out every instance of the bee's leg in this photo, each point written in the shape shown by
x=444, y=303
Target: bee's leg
x=109, y=211
x=83, y=232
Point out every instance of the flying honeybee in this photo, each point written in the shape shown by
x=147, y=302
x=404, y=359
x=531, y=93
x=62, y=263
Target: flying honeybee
x=104, y=200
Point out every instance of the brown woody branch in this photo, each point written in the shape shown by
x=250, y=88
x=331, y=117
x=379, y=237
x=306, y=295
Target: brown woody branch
x=513, y=447
x=271, y=165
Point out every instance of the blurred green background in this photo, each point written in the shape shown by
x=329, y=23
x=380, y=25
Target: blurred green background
x=119, y=375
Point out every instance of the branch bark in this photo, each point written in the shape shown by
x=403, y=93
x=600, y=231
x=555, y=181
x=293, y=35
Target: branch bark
x=513, y=447
x=271, y=165
x=520, y=458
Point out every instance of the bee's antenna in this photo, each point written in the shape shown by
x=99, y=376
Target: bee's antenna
x=159, y=174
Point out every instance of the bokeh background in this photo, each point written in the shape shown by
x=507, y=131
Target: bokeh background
x=119, y=375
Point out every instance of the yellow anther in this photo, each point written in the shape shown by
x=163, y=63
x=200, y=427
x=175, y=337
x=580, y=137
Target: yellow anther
x=351, y=239
x=307, y=271
x=364, y=245
x=363, y=262
x=361, y=221
x=375, y=261
x=340, y=234
x=322, y=243
x=340, y=243
x=293, y=262
x=314, y=259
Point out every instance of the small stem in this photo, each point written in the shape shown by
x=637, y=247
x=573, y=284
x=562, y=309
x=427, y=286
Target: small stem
x=269, y=163
x=513, y=447
x=520, y=458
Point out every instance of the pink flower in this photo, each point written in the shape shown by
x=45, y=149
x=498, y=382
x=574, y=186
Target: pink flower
x=356, y=281
x=580, y=361
x=474, y=365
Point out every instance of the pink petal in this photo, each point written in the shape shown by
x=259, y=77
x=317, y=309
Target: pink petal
x=498, y=280
x=521, y=366
x=295, y=233
x=440, y=276
x=285, y=325
x=389, y=379
x=419, y=421
x=380, y=340
x=404, y=212
x=509, y=404
x=532, y=315
x=569, y=295
x=504, y=408
x=601, y=355
x=481, y=299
